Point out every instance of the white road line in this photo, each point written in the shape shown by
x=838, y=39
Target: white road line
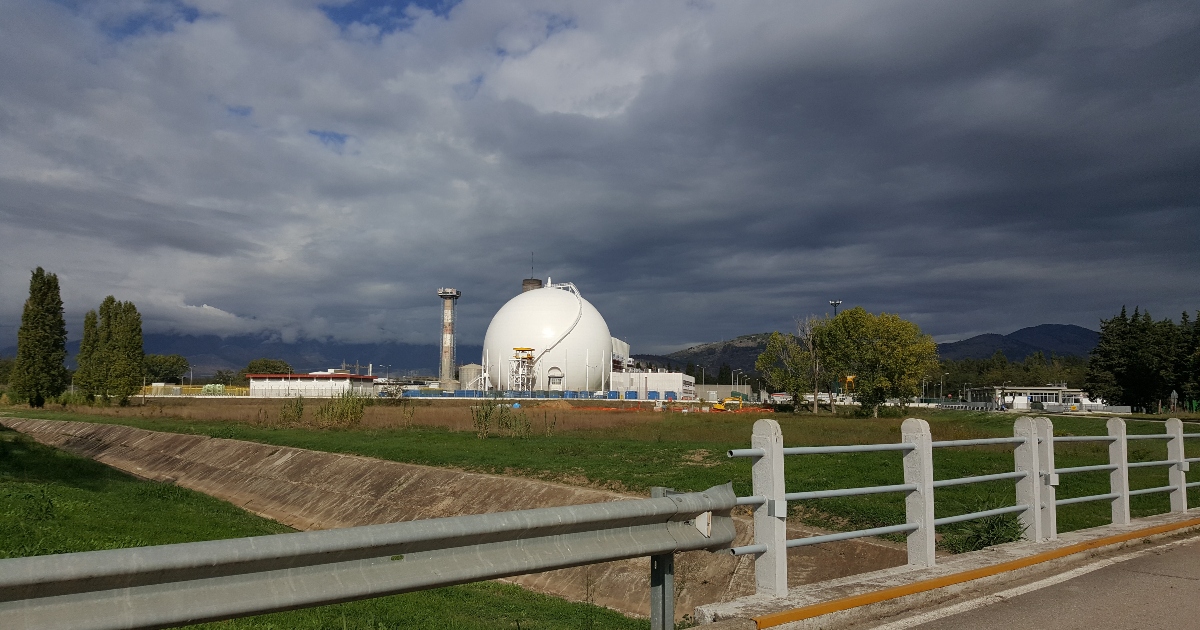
x=995, y=598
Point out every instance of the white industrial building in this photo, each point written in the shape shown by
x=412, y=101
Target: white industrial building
x=1023, y=397
x=640, y=385
x=549, y=338
x=325, y=384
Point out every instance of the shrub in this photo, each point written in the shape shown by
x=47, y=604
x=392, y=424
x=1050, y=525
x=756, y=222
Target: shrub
x=983, y=532
x=292, y=411
x=343, y=411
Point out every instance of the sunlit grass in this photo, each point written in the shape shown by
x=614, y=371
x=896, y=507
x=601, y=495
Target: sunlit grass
x=634, y=450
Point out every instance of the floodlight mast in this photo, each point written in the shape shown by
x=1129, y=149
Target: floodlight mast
x=835, y=304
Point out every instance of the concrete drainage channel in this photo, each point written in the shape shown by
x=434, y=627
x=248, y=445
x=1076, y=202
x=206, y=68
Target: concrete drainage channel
x=312, y=490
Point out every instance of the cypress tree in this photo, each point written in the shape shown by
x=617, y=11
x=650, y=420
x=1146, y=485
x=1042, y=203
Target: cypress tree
x=125, y=353
x=38, y=372
x=87, y=375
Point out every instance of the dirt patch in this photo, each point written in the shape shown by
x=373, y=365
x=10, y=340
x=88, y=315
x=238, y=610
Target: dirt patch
x=699, y=457
x=554, y=404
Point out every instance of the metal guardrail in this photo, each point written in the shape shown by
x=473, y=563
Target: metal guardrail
x=1034, y=474
x=168, y=585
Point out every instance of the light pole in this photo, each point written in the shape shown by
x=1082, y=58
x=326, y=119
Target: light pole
x=942, y=386
x=835, y=304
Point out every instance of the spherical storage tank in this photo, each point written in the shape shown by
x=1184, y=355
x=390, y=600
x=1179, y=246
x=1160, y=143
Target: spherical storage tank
x=563, y=340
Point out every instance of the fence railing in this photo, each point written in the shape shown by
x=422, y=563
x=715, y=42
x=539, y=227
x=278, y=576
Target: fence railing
x=1034, y=475
x=169, y=585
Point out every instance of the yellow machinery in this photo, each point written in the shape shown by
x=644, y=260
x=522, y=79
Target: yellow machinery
x=729, y=404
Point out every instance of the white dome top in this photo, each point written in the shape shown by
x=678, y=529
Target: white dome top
x=569, y=337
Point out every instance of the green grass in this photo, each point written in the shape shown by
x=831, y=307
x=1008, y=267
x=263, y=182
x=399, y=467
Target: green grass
x=53, y=502
x=687, y=452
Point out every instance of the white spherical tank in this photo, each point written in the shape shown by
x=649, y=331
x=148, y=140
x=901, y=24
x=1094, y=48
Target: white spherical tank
x=571, y=348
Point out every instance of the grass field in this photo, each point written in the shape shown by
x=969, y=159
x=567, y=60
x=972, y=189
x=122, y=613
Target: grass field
x=53, y=502
x=633, y=450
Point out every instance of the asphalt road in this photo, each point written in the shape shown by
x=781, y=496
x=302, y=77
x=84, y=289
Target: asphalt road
x=1158, y=590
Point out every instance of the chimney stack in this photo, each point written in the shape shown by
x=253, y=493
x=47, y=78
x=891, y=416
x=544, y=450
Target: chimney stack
x=449, y=302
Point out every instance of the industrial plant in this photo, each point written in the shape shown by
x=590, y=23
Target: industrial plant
x=546, y=342
x=550, y=342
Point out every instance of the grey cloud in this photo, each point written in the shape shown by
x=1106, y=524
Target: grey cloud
x=976, y=166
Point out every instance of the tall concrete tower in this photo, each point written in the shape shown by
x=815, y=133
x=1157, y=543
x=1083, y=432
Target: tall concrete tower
x=449, y=303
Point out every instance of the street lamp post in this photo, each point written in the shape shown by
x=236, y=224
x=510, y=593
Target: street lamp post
x=942, y=386
x=835, y=304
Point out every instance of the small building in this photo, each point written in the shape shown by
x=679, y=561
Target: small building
x=325, y=384
x=1023, y=397
x=681, y=386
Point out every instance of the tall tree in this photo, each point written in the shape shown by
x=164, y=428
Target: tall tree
x=166, y=368
x=38, y=372
x=88, y=374
x=127, y=369
x=886, y=354
x=265, y=366
x=725, y=375
x=1135, y=362
x=784, y=365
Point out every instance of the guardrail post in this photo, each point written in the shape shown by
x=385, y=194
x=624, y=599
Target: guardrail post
x=1178, y=470
x=770, y=518
x=918, y=505
x=662, y=581
x=1047, y=478
x=1026, y=460
x=1118, y=479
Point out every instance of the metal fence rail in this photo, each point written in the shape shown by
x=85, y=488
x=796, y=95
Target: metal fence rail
x=168, y=585
x=1034, y=474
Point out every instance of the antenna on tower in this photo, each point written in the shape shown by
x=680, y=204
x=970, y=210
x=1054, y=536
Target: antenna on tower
x=531, y=265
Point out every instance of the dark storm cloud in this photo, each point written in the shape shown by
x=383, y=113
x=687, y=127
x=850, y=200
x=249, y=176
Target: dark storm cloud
x=132, y=224
x=697, y=170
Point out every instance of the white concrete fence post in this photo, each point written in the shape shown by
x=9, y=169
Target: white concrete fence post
x=1029, y=489
x=1118, y=479
x=1178, y=470
x=770, y=518
x=918, y=505
x=1047, y=478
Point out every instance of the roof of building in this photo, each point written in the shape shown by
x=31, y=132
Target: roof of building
x=301, y=377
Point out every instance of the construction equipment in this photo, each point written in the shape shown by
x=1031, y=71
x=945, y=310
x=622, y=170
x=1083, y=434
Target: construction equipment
x=727, y=405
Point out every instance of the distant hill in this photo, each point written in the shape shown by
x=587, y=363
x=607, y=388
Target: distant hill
x=1050, y=339
x=740, y=352
x=209, y=353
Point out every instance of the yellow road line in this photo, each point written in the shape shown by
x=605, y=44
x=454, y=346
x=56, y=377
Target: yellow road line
x=846, y=603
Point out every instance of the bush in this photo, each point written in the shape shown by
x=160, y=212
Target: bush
x=983, y=532
x=502, y=417
x=292, y=411
x=343, y=411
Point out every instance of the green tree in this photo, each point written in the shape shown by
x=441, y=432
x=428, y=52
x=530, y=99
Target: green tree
x=89, y=376
x=1137, y=361
x=262, y=366
x=886, y=354
x=6, y=364
x=38, y=372
x=115, y=363
x=224, y=377
x=725, y=375
x=166, y=368
x=785, y=366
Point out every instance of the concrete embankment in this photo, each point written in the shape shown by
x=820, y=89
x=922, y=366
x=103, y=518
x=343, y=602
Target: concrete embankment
x=316, y=490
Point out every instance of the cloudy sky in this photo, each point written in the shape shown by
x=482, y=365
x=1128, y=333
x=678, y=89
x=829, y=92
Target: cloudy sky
x=699, y=169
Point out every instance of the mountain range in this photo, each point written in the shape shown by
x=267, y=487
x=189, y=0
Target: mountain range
x=1064, y=340
x=1049, y=339
x=209, y=353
